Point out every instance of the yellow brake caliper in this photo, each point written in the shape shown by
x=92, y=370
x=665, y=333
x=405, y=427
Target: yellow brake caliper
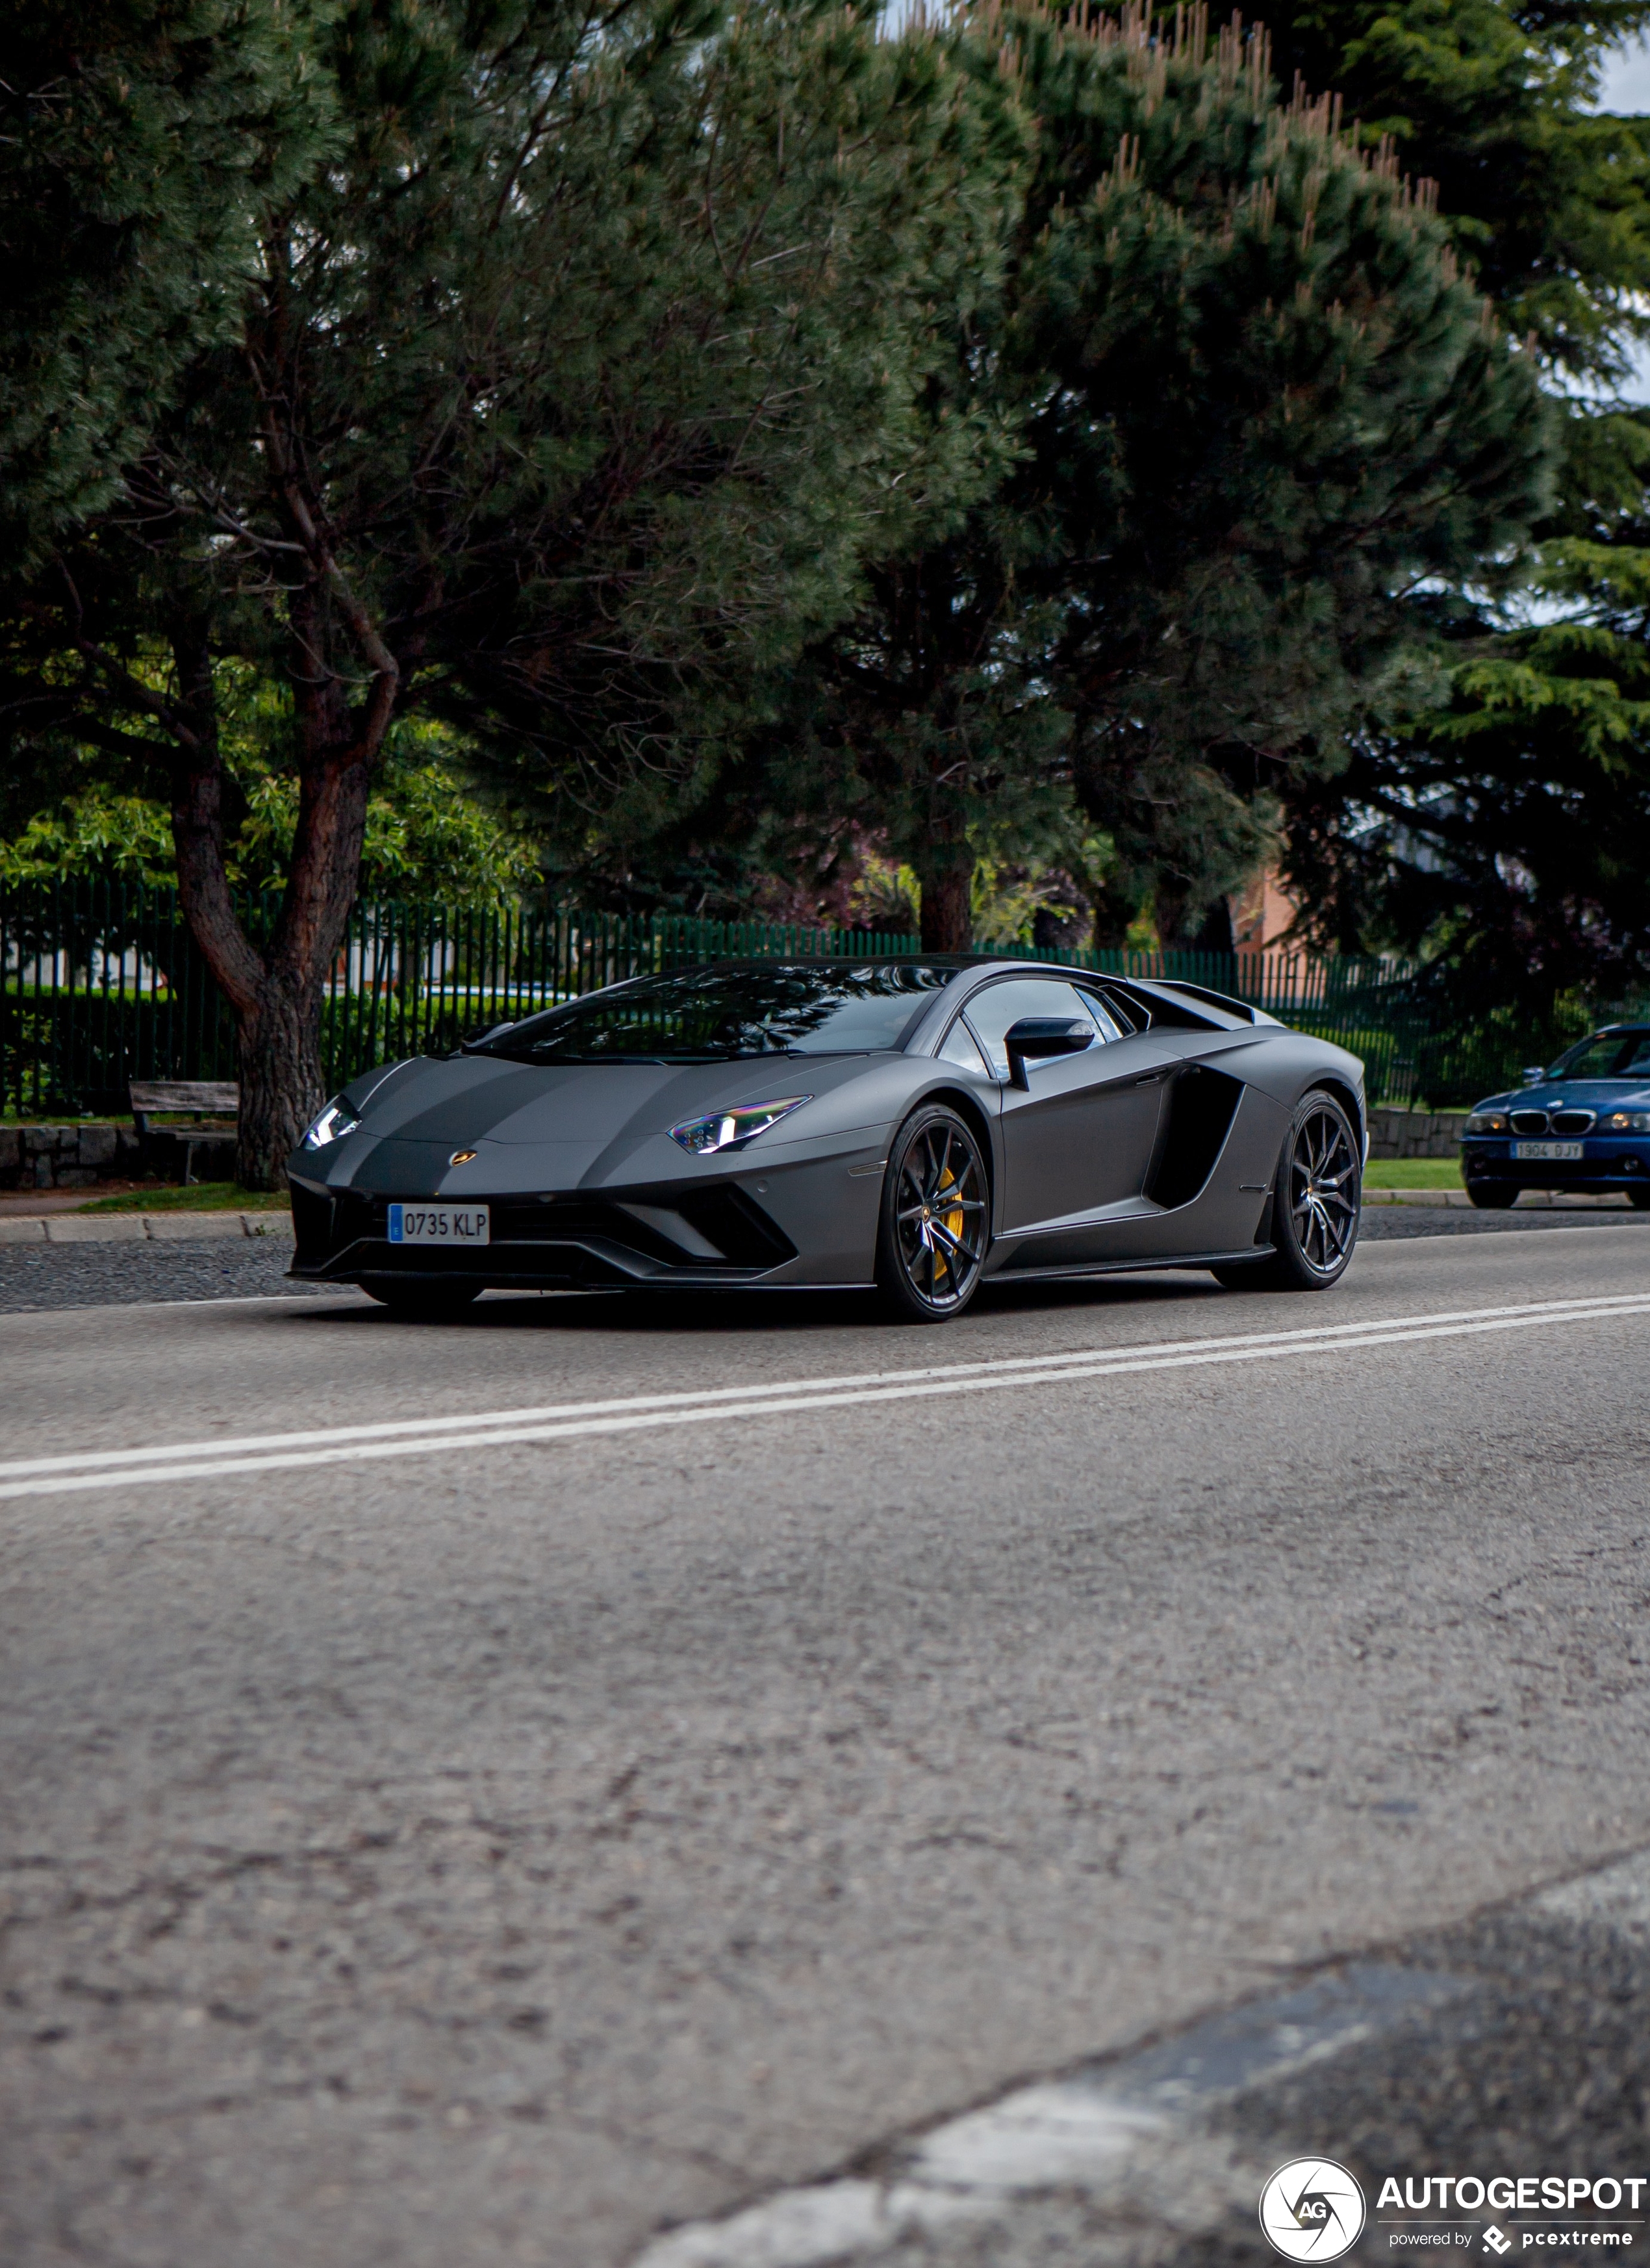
x=953, y=1219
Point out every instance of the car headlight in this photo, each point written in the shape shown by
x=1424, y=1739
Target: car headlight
x=731, y=1130
x=1626, y=1122
x=1486, y=1122
x=338, y=1119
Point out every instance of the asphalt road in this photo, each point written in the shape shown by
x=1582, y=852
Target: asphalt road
x=37, y=1277
x=614, y=1818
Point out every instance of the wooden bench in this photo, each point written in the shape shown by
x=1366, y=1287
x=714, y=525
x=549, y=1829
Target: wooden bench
x=204, y=1098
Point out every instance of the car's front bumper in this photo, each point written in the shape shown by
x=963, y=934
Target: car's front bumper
x=1605, y=1164
x=705, y=1235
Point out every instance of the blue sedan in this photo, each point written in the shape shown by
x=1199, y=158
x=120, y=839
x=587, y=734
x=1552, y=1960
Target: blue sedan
x=1583, y=1125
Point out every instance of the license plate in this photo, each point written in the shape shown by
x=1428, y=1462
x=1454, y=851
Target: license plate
x=1534, y=1153
x=437, y=1224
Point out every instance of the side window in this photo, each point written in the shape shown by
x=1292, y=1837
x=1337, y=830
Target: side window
x=960, y=1049
x=1128, y=1015
x=991, y=1012
x=1109, y=1028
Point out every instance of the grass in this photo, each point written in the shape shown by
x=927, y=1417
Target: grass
x=1412, y=1173
x=200, y=1196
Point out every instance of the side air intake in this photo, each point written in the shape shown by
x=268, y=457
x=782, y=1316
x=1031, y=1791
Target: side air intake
x=1201, y=1105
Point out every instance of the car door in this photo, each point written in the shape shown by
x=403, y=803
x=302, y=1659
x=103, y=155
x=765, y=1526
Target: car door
x=1078, y=1137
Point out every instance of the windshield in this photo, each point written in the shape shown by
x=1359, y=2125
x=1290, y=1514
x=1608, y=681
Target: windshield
x=699, y=1015
x=1608, y=1055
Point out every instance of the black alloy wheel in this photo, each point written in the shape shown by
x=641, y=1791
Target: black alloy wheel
x=1317, y=1200
x=1492, y=1196
x=936, y=1220
x=422, y=1303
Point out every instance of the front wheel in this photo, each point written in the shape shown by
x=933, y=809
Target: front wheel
x=1640, y=1200
x=422, y=1303
x=936, y=1218
x=1492, y=1196
x=1317, y=1199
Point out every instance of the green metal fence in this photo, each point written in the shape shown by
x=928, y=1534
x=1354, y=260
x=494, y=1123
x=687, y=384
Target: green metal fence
x=102, y=984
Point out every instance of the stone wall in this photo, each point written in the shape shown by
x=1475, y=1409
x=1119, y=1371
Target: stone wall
x=68, y=1157
x=1415, y=1133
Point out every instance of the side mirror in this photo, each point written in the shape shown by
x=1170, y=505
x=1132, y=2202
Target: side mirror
x=1033, y=1038
x=1532, y=1074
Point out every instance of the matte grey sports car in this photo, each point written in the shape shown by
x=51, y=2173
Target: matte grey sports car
x=918, y=1124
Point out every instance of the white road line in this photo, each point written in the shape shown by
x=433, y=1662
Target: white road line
x=229, y=1445
x=111, y=1468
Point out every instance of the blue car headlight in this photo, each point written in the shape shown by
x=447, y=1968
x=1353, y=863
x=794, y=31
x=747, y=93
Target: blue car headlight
x=732, y=1130
x=338, y=1119
x=1625, y=1122
x=1486, y=1122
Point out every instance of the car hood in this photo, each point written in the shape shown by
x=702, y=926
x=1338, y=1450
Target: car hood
x=563, y=1125
x=1574, y=1094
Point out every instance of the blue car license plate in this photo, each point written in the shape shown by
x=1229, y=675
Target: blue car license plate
x=1539, y=1152
x=437, y=1224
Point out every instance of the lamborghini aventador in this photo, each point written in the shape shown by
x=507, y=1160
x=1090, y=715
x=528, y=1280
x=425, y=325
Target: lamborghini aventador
x=923, y=1126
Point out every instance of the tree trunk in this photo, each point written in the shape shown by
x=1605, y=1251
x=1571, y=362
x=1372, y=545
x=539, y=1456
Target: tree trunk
x=948, y=879
x=276, y=993
x=1114, y=917
x=1171, y=900
x=281, y=1084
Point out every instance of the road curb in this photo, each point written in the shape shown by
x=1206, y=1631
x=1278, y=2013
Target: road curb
x=1538, y=1200
x=139, y=1227
x=1126, y=2130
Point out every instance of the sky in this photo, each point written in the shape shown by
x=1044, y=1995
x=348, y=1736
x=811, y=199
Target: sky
x=1627, y=81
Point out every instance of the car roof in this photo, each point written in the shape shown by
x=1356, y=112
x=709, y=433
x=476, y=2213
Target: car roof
x=1197, y=1000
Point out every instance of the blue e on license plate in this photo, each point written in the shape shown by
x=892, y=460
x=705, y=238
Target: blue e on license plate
x=437, y=1224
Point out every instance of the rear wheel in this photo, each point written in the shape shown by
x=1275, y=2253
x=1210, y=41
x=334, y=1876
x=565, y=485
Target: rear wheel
x=1316, y=1201
x=1640, y=1200
x=936, y=1218
x=1492, y=1196
x=423, y=1303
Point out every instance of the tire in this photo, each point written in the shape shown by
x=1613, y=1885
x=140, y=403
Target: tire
x=929, y=1254
x=1317, y=1199
x=1640, y=1200
x=423, y=1303
x=1492, y=1197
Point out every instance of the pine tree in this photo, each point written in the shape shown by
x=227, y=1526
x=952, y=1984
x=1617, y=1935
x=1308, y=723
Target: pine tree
x=1504, y=831
x=1544, y=198
x=1239, y=400
x=1492, y=826
x=570, y=385
x=138, y=144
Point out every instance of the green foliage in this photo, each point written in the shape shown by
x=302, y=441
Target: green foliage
x=1493, y=100
x=96, y=832
x=425, y=839
x=1236, y=401
x=554, y=406
x=603, y=381
x=1506, y=830
x=140, y=142
x=1496, y=817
